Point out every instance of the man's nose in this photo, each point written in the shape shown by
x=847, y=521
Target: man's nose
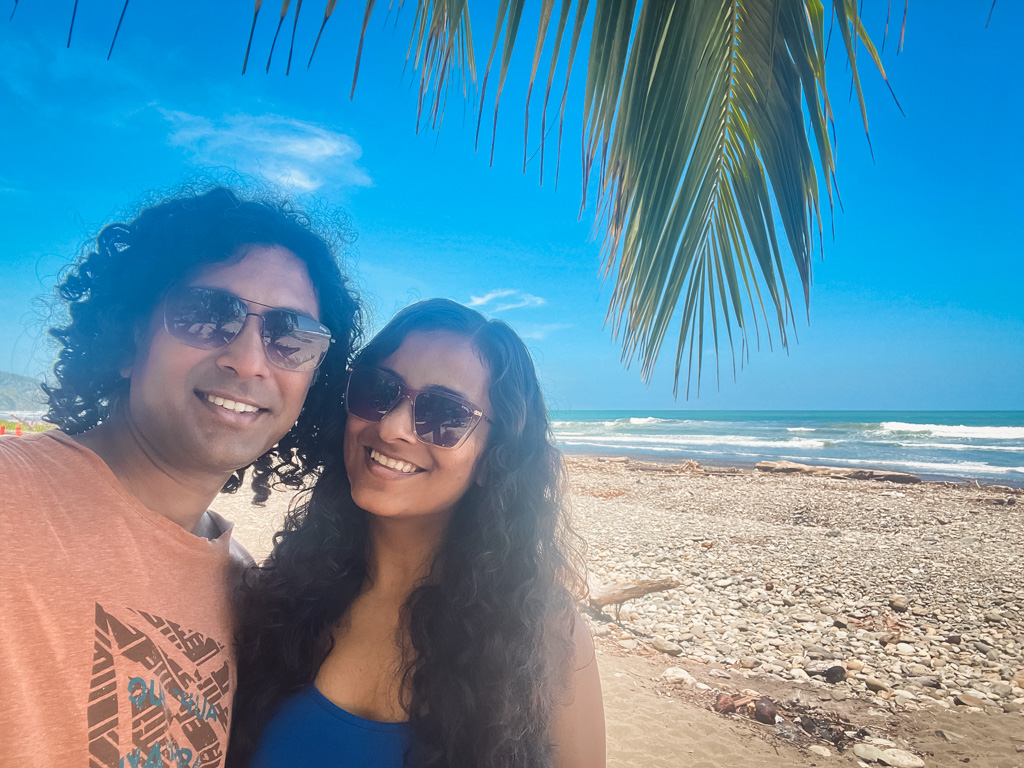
x=245, y=354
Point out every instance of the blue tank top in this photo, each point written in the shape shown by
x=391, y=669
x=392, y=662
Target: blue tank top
x=309, y=729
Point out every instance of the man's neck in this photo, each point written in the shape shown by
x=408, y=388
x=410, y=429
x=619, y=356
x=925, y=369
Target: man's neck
x=182, y=498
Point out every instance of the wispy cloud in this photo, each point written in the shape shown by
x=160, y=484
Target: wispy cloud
x=538, y=332
x=506, y=298
x=291, y=152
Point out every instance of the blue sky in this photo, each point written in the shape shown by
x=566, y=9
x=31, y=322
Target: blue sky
x=917, y=304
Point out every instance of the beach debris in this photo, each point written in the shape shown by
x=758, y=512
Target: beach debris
x=832, y=672
x=839, y=473
x=707, y=544
x=724, y=704
x=765, y=710
x=620, y=592
x=949, y=736
x=819, y=750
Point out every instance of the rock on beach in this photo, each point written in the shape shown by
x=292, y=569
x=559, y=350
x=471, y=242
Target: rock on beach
x=916, y=594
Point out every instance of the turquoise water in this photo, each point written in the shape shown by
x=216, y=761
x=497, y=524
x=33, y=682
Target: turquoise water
x=983, y=445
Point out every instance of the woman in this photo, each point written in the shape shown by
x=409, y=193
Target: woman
x=417, y=608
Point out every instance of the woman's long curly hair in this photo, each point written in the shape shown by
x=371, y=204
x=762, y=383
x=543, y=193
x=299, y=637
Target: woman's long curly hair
x=111, y=293
x=490, y=629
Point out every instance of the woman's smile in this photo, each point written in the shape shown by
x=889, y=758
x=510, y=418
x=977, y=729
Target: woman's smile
x=392, y=471
x=402, y=467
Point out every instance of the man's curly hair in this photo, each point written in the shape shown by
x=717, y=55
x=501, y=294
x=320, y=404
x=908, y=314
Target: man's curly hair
x=112, y=291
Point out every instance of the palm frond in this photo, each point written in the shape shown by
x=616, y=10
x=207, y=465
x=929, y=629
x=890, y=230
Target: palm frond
x=694, y=131
x=694, y=116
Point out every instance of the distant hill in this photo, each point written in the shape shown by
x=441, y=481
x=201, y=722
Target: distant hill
x=20, y=393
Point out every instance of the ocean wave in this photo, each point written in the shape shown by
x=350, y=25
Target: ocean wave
x=962, y=447
x=965, y=468
x=948, y=430
x=578, y=438
x=801, y=429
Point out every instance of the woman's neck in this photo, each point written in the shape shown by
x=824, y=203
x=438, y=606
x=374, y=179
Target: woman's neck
x=401, y=553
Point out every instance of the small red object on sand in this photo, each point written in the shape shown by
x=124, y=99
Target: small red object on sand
x=3, y=428
x=725, y=704
x=17, y=431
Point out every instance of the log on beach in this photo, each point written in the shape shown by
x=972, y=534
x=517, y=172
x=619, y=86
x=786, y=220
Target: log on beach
x=840, y=473
x=613, y=594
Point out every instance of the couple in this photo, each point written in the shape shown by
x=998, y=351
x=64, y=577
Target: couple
x=417, y=607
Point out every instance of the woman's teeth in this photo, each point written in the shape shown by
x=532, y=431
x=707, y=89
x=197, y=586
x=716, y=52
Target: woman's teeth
x=401, y=466
x=231, y=405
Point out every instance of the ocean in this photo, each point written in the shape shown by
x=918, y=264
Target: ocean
x=937, y=445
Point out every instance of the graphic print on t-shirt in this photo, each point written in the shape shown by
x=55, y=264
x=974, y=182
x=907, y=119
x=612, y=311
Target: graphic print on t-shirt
x=172, y=686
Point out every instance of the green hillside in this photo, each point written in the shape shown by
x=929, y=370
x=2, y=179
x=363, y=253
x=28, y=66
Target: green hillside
x=20, y=393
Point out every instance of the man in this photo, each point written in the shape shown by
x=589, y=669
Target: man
x=207, y=336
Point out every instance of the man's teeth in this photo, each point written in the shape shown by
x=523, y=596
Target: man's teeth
x=401, y=466
x=231, y=405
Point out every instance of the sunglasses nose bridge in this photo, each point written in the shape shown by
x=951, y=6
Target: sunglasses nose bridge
x=395, y=411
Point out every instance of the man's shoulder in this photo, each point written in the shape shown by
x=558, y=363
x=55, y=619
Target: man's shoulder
x=30, y=454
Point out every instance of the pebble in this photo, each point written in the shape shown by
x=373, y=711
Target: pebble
x=917, y=619
x=819, y=750
x=677, y=675
x=900, y=758
x=666, y=646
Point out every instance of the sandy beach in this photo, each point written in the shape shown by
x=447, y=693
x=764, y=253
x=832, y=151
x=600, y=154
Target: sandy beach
x=915, y=591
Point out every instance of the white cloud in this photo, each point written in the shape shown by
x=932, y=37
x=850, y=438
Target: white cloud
x=291, y=152
x=538, y=332
x=512, y=299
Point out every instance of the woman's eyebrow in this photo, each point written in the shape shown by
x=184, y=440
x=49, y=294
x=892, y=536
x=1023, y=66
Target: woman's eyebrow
x=429, y=387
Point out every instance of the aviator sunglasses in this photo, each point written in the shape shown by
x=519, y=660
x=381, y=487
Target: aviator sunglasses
x=208, y=318
x=439, y=418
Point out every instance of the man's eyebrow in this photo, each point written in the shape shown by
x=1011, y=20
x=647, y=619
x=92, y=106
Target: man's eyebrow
x=296, y=310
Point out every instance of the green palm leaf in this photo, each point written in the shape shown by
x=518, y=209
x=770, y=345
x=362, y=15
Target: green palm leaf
x=694, y=132
x=694, y=129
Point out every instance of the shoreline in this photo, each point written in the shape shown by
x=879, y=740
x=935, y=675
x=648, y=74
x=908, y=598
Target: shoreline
x=751, y=466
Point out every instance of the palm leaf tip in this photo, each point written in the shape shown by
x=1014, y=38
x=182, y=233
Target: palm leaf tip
x=120, y=20
x=252, y=30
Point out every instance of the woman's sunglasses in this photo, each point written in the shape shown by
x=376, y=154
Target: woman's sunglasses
x=439, y=418
x=207, y=318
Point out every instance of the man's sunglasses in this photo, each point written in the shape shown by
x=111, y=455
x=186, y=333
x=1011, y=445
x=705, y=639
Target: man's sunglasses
x=207, y=318
x=439, y=418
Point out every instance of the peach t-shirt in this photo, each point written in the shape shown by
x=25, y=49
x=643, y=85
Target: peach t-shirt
x=115, y=623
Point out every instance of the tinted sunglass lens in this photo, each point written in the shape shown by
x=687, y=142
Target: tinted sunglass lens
x=203, y=318
x=371, y=394
x=288, y=345
x=441, y=420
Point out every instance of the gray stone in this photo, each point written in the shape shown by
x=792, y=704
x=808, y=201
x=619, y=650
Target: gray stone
x=679, y=676
x=867, y=752
x=874, y=684
x=666, y=646
x=819, y=750
x=899, y=603
x=900, y=758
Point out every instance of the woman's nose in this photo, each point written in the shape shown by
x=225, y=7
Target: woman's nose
x=397, y=423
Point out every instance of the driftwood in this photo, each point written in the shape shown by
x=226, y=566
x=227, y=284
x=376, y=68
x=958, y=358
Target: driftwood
x=839, y=473
x=618, y=593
